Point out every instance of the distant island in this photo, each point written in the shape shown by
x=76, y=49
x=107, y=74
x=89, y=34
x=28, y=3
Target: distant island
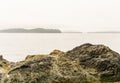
x=36, y=30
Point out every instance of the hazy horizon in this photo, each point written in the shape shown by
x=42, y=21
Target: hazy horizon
x=110, y=31
x=66, y=15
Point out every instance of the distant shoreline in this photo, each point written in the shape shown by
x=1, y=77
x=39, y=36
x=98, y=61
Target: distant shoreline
x=36, y=30
x=44, y=30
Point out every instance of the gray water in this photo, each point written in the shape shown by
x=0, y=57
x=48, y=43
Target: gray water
x=16, y=46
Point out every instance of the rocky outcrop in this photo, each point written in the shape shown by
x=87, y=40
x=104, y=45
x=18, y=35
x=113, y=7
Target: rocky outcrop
x=84, y=64
x=98, y=60
x=4, y=67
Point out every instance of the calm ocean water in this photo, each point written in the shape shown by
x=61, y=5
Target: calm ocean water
x=16, y=46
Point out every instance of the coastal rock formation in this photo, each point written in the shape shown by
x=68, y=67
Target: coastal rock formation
x=4, y=67
x=84, y=64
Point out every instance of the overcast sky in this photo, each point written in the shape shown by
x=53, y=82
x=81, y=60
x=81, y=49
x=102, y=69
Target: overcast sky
x=82, y=15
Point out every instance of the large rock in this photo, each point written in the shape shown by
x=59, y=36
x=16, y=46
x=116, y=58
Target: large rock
x=98, y=60
x=84, y=64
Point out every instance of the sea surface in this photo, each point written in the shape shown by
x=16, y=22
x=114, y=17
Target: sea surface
x=16, y=46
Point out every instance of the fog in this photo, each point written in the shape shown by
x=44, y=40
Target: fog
x=67, y=15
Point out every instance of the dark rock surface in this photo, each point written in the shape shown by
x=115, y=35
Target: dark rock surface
x=104, y=61
x=84, y=64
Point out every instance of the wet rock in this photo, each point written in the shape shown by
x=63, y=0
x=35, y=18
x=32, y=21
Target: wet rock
x=84, y=64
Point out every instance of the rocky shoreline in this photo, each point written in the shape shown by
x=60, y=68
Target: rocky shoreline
x=83, y=64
